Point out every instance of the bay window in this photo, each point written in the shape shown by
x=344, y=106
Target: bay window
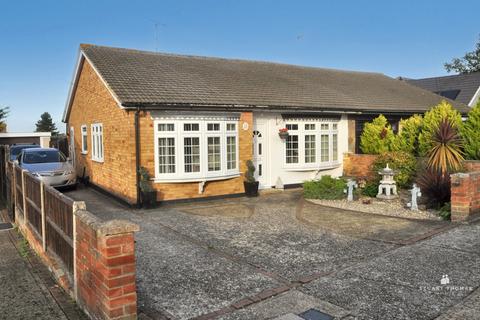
x=311, y=144
x=195, y=150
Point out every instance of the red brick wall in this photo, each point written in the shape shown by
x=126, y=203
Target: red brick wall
x=465, y=197
x=358, y=165
x=471, y=165
x=93, y=103
x=105, y=267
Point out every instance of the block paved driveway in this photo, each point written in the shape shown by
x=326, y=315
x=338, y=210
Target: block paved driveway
x=278, y=256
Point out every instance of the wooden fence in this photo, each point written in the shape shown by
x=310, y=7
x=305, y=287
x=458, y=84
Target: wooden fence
x=33, y=202
x=18, y=179
x=47, y=212
x=59, y=225
x=9, y=185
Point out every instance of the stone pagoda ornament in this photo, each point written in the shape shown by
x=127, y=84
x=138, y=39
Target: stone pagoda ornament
x=387, y=189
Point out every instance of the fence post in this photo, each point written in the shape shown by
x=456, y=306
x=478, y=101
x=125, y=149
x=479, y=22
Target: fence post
x=42, y=209
x=77, y=205
x=25, y=218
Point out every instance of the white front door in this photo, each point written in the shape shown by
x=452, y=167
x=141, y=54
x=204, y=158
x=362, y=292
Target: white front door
x=260, y=154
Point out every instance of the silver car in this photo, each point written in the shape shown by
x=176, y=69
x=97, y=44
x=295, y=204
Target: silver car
x=49, y=165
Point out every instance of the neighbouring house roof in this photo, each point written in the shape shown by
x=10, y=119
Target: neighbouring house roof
x=464, y=88
x=155, y=80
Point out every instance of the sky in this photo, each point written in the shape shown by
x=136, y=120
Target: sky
x=39, y=39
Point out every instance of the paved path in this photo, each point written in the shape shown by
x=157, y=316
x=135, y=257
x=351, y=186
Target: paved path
x=27, y=290
x=274, y=255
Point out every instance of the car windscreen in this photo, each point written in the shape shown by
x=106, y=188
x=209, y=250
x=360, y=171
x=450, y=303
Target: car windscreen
x=44, y=156
x=15, y=151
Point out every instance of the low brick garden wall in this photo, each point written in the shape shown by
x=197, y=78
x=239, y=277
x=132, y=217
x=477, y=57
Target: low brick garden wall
x=358, y=165
x=105, y=267
x=92, y=260
x=465, y=195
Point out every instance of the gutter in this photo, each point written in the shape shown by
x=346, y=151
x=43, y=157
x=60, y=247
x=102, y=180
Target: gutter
x=137, y=154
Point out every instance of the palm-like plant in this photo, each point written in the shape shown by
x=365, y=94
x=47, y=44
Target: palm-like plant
x=446, y=153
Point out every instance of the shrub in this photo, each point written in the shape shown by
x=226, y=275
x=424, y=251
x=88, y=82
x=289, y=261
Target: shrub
x=325, y=188
x=407, y=138
x=431, y=120
x=446, y=211
x=377, y=136
x=471, y=134
x=145, y=184
x=446, y=154
x=403, y=163
x=370, y=189
x=435, y=187
x=250, y=173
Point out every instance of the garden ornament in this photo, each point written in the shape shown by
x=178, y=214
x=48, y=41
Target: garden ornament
x=349, y=191
x=416, y=192
x=387, y=189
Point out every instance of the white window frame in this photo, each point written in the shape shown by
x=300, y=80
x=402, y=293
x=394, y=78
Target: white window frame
x=228, y=134
x=318, y=132
x=179, y=134
x=98, y=149
x=84, y=138
x=166, y=134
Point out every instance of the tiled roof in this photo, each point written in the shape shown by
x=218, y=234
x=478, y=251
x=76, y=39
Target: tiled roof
x=140, y=78
x=466, y=84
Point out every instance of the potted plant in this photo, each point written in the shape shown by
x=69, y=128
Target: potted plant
x=250, y=184
x=283, y=133
x=148, y=194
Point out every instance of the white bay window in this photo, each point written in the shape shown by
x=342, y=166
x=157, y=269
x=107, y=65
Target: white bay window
x=311, y=144
x=195, y=149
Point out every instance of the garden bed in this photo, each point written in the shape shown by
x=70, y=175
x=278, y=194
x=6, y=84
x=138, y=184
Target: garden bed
x=394, y=208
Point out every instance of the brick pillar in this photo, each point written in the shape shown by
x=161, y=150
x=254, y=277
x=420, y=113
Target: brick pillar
x=105, y=267
x=465, y=198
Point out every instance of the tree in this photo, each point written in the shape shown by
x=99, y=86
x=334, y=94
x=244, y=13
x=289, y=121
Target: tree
x=377, y=136
x=469, y=63
x=407, y=138
x=471, y=134
x=4, y=110
x=46, y=124
x=431, y=121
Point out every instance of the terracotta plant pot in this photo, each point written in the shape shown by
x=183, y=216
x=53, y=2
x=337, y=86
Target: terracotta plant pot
x=251, y=188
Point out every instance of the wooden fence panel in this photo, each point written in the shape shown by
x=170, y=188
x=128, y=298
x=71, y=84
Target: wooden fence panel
x=33, y=202
x=19, y=188
x=10, y=191
x=59, y=225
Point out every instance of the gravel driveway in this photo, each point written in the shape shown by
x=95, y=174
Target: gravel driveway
x=273, y=255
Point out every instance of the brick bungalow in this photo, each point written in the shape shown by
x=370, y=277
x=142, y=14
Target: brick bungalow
x=193, y=122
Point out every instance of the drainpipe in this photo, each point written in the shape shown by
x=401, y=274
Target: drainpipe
x=137, y=154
